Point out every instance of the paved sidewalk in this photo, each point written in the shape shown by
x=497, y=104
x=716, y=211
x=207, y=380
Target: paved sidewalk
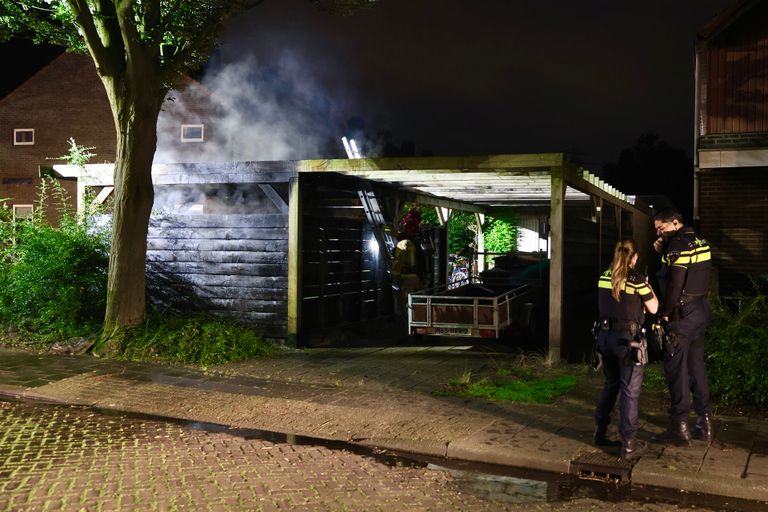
x=384, y=397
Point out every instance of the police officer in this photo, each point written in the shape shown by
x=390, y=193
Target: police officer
x=686, y=260
x=623, y=293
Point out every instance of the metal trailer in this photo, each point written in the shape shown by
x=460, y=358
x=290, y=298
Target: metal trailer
x=477, y=308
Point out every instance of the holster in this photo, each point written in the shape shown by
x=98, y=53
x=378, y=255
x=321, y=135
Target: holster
x=637, y=352
x=596, y=358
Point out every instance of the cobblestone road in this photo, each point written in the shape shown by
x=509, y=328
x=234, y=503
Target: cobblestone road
x=65, y=458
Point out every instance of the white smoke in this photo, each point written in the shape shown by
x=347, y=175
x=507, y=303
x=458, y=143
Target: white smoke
x=249, y=113
x=224, y=199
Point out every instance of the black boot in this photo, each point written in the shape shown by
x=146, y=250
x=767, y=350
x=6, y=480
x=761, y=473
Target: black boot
x=632, y=448
x=702, y=430
x=599, y=437
x=676, y=434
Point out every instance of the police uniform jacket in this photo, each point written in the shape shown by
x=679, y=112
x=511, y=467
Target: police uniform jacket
x=634, y=291
x=689, y=260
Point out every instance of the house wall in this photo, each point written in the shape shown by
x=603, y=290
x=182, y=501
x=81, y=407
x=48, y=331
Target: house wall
x=64, y=99
x=189, y=104
x=735, y=92
x=732, y=192
x=733, y=203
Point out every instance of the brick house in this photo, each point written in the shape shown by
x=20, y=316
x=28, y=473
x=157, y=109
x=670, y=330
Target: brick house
x=65, y=99
x=731, y=137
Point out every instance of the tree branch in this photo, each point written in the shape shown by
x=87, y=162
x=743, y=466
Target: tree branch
x=106, y=20
x=136, y=55
x=91, y=36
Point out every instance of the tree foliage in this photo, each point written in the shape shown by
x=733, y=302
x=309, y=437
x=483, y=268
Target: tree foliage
x=501, y=232
x=651, y=161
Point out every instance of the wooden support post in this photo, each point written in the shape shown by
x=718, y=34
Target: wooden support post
x=557, y=224
x=480, y=242
x=600, y=234
x=443, y=214
x=294, y=261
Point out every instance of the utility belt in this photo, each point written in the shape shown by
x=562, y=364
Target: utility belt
x=687, y=298
x=637, y=347
x=615, y=324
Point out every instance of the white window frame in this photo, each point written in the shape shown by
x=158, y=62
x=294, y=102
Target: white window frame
x=190, y=139
x=20, y=130
x=17, y=207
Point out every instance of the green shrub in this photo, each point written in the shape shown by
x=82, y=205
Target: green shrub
x=737, y=352
x=52, y=277
x=501, y=232
x=198, y=340
x=461, y=235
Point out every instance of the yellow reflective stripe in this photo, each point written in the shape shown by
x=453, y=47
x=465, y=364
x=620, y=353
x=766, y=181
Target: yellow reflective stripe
x=641, y=289
x=628, y=288
x=695, y=256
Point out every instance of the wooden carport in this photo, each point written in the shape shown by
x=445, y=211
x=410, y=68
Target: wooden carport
x=482, y=183
x=585, y=218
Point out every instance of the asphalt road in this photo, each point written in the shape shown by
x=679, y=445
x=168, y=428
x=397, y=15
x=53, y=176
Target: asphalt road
x=69, y=458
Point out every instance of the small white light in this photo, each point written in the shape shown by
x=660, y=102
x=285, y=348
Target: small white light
x=373, y=245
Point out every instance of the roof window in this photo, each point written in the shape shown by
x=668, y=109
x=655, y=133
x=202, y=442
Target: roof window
x=192, y=133
x=24, y=137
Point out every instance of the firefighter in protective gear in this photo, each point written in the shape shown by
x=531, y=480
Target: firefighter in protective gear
x=623, y=295
x=686, y=261
x=407, y=265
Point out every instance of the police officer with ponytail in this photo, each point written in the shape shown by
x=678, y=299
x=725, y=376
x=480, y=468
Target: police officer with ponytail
x=623, y=296
x=686, y=263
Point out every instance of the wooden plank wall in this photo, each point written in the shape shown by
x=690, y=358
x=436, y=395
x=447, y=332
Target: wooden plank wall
x=737, y=77
x=345, y=286
x=233, y=265
x=580, y=274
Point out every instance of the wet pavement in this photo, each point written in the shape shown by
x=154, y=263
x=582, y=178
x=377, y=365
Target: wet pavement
x=58, y=457
x=383, y=397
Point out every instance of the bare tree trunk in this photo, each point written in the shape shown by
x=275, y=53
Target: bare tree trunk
x=136, y=122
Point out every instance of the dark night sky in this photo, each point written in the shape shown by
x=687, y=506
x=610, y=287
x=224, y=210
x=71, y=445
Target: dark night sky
x=496, y=76
x=485, y=76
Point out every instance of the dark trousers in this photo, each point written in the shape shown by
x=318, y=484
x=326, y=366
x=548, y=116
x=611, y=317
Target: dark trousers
x=685, y=370
x=622, y=382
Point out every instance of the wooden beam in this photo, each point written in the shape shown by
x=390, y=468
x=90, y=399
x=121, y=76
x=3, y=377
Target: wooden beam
x=273, y=196
x=574, y=180
x=409, y=196
x=557, y=224
x=465, y=163
x=450, y=175
x=294, y=261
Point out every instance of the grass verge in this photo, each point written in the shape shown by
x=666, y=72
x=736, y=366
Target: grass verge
x=192, y=340
x=526, y=379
